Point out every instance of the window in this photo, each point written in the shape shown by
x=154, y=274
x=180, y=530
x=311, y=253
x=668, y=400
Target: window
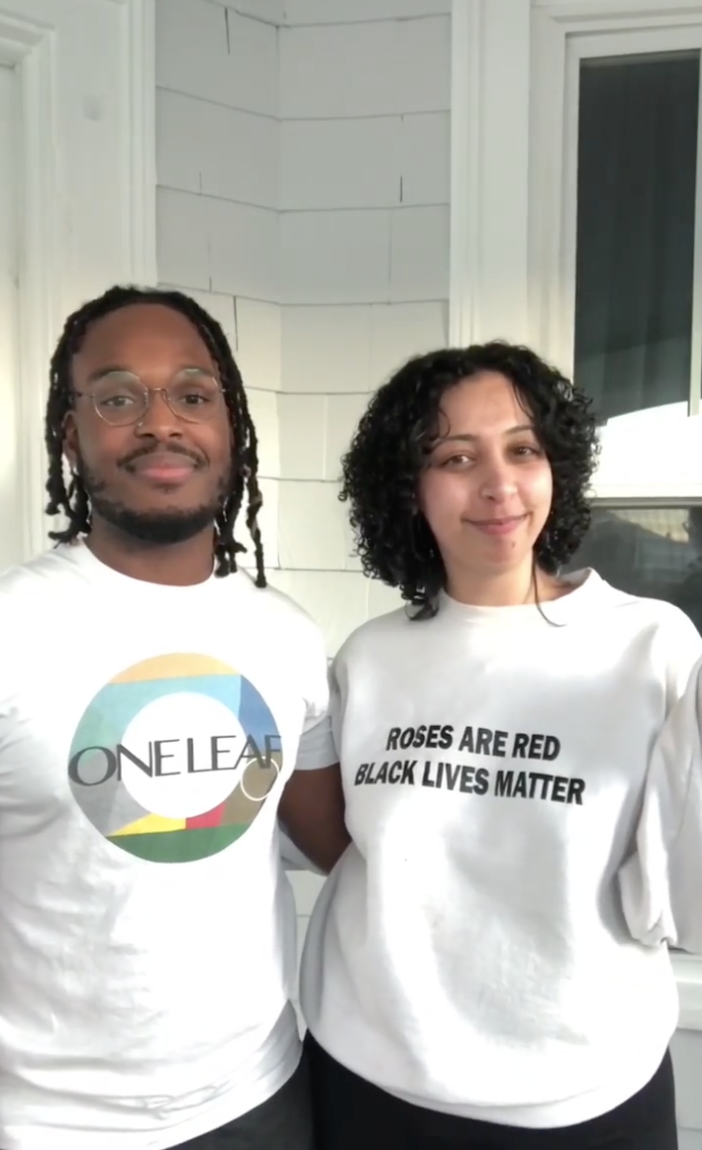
x=652, y=549
x=637, y=129
x=615, y=203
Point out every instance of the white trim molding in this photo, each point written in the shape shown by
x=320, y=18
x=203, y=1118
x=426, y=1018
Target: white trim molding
x=489, y=170
x=465, y=167
x=139, y=48
x=85, y=72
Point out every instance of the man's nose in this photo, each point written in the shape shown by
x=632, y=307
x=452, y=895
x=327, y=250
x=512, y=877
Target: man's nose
x=158, y=419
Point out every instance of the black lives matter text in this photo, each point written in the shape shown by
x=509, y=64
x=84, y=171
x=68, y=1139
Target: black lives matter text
x=467, y=778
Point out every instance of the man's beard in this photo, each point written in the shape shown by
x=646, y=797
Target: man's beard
x=155, y=528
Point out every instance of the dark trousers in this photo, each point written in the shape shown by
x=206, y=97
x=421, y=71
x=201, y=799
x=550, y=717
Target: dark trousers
x=352, y=1114
x=284, y=1122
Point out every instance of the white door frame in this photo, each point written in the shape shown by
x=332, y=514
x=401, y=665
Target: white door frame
x=86, y=77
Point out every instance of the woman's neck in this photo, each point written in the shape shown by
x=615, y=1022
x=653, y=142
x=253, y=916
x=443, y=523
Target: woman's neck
x=510, y=588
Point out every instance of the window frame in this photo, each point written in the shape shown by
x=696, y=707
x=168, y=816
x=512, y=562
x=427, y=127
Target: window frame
x=650, y=454
x=554, y=236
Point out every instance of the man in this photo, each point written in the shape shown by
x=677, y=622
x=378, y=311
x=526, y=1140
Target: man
x=153, y=704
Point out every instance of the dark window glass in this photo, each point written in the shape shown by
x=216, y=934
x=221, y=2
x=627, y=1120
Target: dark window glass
x=637, y=160
x=653, y=551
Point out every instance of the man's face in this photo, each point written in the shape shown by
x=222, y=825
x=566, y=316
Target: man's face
x=160, y=479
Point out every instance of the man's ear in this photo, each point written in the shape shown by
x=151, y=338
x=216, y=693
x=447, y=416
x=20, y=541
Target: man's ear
x=70, y=440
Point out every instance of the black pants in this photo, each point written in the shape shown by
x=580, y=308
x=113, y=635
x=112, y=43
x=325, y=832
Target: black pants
x=284, y=1122
x=352, y=1114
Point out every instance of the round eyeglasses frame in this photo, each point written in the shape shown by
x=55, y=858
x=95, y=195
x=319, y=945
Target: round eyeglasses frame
x=209, y=410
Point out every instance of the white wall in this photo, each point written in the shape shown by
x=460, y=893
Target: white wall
x=303, y=170
x=364, y=192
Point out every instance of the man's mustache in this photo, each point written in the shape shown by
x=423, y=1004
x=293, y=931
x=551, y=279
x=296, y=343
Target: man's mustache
x=158, y=449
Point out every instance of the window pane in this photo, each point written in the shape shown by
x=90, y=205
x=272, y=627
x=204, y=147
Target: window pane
x=652, y=551
x=637, y=157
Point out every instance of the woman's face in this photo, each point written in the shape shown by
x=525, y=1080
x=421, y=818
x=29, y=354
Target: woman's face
x=486, y=491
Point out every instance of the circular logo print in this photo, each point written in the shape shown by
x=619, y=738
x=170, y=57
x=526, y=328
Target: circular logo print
x=174, y=758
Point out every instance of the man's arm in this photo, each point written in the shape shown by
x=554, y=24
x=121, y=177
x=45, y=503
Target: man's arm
x=312, y=813
x=311, y=810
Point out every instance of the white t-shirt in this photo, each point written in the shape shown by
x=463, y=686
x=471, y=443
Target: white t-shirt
x=470, y=953
x=147, y=931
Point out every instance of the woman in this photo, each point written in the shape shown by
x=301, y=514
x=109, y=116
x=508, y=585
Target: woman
x=469, y=977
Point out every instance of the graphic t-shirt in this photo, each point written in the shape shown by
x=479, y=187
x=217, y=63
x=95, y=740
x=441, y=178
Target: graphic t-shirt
x=147, y=931
x=469, y=952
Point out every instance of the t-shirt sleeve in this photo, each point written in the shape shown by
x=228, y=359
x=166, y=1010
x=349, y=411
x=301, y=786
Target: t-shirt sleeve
x=316, y=748
x=661, y=882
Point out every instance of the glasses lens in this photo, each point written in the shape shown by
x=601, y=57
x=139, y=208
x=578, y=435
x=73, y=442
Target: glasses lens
x=195, y=397
x=119, y=399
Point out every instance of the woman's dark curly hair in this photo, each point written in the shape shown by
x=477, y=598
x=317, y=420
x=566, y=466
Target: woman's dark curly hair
x=390, y=448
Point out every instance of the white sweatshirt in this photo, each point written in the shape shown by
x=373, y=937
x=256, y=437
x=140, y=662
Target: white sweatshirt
x=470, y=953
x=661, y=882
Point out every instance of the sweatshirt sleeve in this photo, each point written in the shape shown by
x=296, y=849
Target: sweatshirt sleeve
x=661, y=882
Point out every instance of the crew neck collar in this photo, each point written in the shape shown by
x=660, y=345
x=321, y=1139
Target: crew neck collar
x=80, y=555
x=586, y=584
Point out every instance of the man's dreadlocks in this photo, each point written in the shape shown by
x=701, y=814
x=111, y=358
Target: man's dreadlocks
x=73, y=502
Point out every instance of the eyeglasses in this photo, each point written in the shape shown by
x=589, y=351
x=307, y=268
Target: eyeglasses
x=121, y=399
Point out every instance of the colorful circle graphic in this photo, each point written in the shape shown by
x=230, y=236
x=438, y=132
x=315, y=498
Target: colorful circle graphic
x=174, y=758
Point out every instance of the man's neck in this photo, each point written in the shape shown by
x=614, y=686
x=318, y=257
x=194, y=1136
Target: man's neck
x=176, y=565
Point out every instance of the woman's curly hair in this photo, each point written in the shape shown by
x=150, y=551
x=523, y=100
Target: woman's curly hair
x=381, y=469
